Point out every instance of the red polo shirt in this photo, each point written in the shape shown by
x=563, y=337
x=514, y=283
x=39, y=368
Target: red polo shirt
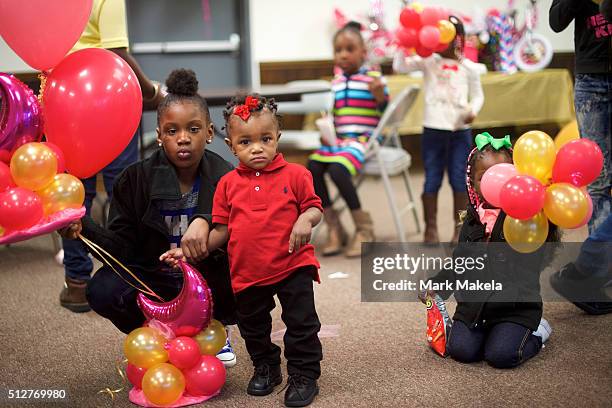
x=259, y=208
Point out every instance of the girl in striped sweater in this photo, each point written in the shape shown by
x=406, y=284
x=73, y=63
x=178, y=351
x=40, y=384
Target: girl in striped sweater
x=360, y=97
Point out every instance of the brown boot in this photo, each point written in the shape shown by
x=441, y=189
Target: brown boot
x=336, y=235
x=73, y=297
x=430, y=212
x=460, y=201
x=364, y=232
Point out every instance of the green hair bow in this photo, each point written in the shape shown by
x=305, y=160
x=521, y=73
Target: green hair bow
x=483, y=139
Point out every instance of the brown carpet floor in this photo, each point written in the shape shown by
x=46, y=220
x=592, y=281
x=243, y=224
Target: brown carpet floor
x=379, y=359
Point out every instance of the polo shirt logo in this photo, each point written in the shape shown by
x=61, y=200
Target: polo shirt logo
x=285, y=190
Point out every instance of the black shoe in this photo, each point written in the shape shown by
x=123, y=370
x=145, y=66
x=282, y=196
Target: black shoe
x=301, y=392
x=577, y=288
x=264, y=380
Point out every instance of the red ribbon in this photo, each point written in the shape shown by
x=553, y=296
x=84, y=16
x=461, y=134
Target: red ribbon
x=450, y=67
x=244, y=111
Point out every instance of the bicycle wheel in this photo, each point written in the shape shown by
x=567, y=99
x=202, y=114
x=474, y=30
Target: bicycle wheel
x=533, y=53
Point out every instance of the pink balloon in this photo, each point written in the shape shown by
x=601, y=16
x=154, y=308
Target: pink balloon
x=135, y=374
x=93, y=106
x=183, y=352
x=407, y=37
x=430, y=16
x=410, y=18
x=423, y=52
x=522, y=197
x=206, y=377
x=189, y=312
x=429, y=37
x=21, y=122
x=442, y=47
x=59, y=155
x=46, y=225
x=6, y=180
x=578, y=162
x=494, y=179
x=20, y=208
x=443, y=13
x=42, y=32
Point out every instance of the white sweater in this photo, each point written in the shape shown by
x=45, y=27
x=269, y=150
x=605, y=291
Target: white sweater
x=452, y=89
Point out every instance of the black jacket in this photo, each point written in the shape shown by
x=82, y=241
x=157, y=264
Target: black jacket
x=519, y=274
x=592, y=34
x=136, y=232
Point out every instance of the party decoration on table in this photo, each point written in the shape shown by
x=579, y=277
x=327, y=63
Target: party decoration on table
x=92, y=103
x=189, y=312
x=438, y=324
x=20, y=114
x=42, y=32
x=425, y=29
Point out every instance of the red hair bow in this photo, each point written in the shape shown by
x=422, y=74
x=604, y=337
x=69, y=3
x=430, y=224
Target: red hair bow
x=244, y=111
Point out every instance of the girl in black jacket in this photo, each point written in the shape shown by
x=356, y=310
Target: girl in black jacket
x=160, y=203
x=495, y=325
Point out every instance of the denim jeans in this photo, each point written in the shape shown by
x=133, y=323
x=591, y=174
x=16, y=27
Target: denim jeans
x=504, y=345
x=595, y=256
x=445, y=149
x=593, y=103
x=77, y=264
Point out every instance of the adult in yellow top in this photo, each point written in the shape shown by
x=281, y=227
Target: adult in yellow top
x=106, y=28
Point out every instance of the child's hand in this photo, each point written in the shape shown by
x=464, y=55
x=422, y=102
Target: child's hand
x=423, y=295
x=300, y=235
x=72, y=231
x=469, y=118
x=172, y=257
x=378, y=90
x=195, y=241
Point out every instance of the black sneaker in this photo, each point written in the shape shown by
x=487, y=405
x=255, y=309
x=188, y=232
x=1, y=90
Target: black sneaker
x=575, y=287
x=264, y=380
x=301, y=392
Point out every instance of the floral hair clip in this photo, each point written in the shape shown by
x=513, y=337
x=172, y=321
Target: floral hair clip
x=244, y=111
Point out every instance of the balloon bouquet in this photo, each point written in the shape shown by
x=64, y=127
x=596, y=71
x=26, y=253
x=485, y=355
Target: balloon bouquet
x=424, y=30
x=171, y=361
x=91, y=103
x=543, y=184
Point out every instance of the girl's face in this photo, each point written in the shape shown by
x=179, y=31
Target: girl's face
x=183, y=133
x=349, y=52
x=255, y=141
x=483, y=162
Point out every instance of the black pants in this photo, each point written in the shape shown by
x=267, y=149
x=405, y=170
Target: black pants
x=505, y=345
x=302, y=346
x=341, y=178
x=113, y=298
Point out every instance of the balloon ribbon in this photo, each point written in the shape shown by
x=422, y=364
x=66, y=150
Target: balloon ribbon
x=124, y=381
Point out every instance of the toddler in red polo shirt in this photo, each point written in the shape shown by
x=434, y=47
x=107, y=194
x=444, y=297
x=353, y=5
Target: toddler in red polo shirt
x=265, y=210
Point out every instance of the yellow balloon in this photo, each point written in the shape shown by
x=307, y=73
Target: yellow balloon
x=447, y=31
x=528, y=235
x=534, y=155
x=567, y=134
x=163, y=384
x=565, y=205
x=33, y=166
x=144, y=347
x=65, y=191
x=212, y=338
x=416, y=6
x=1, y=231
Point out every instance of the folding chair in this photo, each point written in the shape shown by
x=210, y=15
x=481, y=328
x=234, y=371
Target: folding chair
x=385, y=157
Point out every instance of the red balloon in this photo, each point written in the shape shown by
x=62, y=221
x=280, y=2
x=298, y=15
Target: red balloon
x=522, y=197
x=429, y=37
x=42, y=32
x=135, y=374
x=430, y=16
x=578, y=162
x=93, y=105
x=6, y=180
x=5, y=156
x=206, y=377
x=20, y=208
x=407, y=37
x=183, y=352
x=442, y=47
x=422, y=51
x=59, y=155
x=410, y=18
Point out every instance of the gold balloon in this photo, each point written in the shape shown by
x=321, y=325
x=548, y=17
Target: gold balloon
x=416, y=6
x=33, y=166
x=447, y=31
x=65, y=191
x=567, y=134
x=528, y=235
x=565, y=205
x=212, y=338
x=163, y=384
x=1, y=231
x=534, y=155
x=144, y=347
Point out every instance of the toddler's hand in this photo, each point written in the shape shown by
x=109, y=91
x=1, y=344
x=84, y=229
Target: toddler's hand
x=300, y=234
x=469, y=118
x=72, y=231
x=172, y=257
x=423, y=295
x=378, y=90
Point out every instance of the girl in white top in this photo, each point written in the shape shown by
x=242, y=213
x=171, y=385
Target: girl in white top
x=453, y=98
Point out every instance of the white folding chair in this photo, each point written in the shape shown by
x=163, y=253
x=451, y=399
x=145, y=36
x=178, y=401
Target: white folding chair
x=385, y=157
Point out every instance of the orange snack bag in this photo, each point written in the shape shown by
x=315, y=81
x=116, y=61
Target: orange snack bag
x=438, y=324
